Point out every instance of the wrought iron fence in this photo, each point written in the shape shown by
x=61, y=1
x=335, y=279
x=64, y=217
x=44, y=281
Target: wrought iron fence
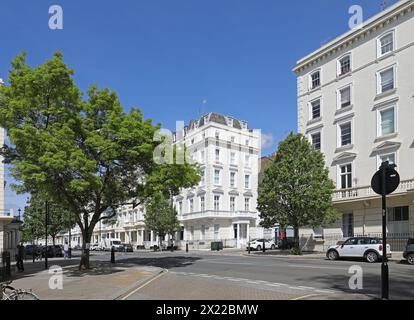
x=5, y=266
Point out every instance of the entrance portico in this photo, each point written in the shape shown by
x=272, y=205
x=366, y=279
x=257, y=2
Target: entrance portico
x=241, y=233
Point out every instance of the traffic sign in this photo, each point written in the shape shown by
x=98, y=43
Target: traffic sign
x=392, y=180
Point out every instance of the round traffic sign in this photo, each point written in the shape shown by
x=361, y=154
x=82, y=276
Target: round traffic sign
x=392, y=181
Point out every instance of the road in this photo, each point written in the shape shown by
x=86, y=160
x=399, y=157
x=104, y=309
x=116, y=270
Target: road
x=221, y=276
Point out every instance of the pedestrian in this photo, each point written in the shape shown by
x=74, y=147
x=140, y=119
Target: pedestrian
x=66, y=250
x=19, y=257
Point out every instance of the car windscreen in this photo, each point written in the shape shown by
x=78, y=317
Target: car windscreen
x=116, y=242
x=410, y=241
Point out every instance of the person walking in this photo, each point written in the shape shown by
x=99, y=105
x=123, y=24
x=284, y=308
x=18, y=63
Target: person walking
x=19, y=257
x=66, y=250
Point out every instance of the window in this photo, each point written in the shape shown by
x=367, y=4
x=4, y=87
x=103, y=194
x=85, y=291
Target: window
x=316, y=140
x=246, y=204
x=216, y=203
x=346, y=176
x=202, y=203
x=191, y=205
x=387, y=121
x=180, y=207
x=203, y=232
x=315, y=79
x=386, y=44
x=217, y=155
x=386, y=80
x=345, y=134
x=398, y=214
x=216, y=176
x=345, y=97
x=232, y=139
x=232, y=204
x=217, y=135
x=232, y=158
x=247, y=181
x=247, y=160
x=203, y=177
x=344, y=65
x=315, y=109
x=388, y=157
x=202, y=156
x=232, y=179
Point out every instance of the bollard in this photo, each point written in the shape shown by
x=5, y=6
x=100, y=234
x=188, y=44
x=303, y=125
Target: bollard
x=186, y=247
x=70, y=253
x=248, y=247
x=264, y=245
x=112, y=255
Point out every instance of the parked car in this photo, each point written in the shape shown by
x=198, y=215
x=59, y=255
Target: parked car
x=77, y=247
x=257, y=244
x=51, y=251
x=58, y=251
x=409, y=251
x=30, y=248
x=128, y=247
x=367, y=248
x=95, y=247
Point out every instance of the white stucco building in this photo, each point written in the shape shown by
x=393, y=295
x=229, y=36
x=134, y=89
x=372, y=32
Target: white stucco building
x=355, y=104
x=223, y=206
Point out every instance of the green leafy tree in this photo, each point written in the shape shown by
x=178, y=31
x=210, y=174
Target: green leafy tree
x=296, y=190
x=85, y=154
x=60, y=219
x=161, y=217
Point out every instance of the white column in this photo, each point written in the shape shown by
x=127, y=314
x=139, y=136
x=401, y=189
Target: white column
x=248, y=232
x=152, y=237
x=238, y=235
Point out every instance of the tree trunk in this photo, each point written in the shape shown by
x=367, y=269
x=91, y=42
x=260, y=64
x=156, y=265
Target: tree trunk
x=53, y=240
x=86, y=240
x=296, y=237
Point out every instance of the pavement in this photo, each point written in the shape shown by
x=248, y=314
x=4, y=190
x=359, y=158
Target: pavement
x=225, y=275
x=104, y=281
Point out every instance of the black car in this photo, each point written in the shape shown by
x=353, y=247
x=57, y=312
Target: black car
x=128, y=247
x=409, y=251
x=52, y=251
x=30, y=249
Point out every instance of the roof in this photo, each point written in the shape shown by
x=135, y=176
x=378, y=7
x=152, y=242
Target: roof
x=347, y=38
x=217, y=118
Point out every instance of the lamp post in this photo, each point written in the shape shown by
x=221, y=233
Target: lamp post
x=20, y=210
x=33, y=246
x=46, y=222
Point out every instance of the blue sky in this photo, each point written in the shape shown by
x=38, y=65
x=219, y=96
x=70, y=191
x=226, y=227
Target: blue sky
x=168, y=56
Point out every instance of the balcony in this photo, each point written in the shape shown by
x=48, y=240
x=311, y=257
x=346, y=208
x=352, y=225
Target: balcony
x=218, y=214
x=344, y=195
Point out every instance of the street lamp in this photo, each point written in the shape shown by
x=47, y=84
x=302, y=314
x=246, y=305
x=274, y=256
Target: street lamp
x=20, y=210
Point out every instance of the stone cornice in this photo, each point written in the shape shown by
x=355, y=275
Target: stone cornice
x=341, y=43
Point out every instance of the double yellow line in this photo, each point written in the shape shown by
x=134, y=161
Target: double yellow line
x=163, y=272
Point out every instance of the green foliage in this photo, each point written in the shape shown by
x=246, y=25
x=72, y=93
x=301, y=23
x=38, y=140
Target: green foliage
x=161, y=216
x=87, y=155
x=296, y=190
x=296, y=251
x=60, y=219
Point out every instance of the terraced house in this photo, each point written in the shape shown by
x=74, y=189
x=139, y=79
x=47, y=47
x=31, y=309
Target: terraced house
x=223, y=206
x=356, y=105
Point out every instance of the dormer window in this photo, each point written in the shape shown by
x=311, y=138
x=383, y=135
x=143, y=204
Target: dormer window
x=315, y=79
x=344, y=65
x=386, y=44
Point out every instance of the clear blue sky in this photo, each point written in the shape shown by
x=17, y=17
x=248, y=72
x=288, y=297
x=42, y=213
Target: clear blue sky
x=167, y=56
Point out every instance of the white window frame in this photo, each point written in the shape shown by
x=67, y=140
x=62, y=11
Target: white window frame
x=311, y=133
x=379, y=126
x=338, y=96
x=247, y=160
x=338, y=71
x=378, y=75
x=339, y=175
x=379, y=53
x=191, y=205
x=248, y=181
x=311, y=107
x=202, y=203
x=233, y=159
x=310, y=79
x=235, y=179
x=218, y=202
x=217, y=154
x=232, y=203
x=338, y=133
x=219, y=177
x=379, y=161
x=247, y=204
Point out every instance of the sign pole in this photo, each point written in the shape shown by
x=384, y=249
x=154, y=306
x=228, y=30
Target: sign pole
x=384, y=265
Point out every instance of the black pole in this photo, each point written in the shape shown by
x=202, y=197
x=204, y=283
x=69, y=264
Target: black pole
x=70, y=236
x=33, y=246
x=46, y=222
x=384, y=265
x=264, y=245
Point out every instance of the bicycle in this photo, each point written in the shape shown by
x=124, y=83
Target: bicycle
x=9, y=293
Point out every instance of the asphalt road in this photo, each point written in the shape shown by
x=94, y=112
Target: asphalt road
x=233, y=276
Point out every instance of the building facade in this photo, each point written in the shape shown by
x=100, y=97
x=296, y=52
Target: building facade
x=355, y=104
x=223, y=206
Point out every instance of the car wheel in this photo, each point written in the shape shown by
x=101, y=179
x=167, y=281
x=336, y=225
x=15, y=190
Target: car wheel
x=410, y=258
x=371, y=257
x=258, y=248
x=272, y=247
x=333, y=255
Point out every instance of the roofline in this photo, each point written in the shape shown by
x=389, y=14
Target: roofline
x=371, y=23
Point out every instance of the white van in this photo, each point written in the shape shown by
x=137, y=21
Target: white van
x=108, y=244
